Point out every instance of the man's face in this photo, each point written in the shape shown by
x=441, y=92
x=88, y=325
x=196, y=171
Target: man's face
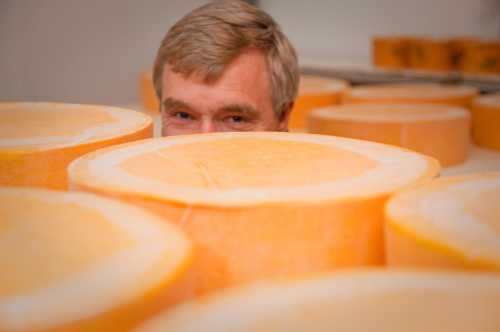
x=240, y=100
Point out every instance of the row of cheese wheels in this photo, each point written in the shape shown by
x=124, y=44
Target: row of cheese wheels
x=469, y=55
x=252, y=205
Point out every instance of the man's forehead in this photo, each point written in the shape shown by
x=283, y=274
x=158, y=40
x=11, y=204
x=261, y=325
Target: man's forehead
x=234, y=107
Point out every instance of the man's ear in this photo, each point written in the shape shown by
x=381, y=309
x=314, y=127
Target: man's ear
x=285, y=117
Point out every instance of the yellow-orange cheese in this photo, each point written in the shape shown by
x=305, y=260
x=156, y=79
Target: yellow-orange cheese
x=391, y=52
x=439, y=131
x=431, y=54
x=486, y=121
x=39, y=140
x=77, y=262
x=482, y=57
x=376, y=301
x=261, y=204
x=413, y=93
x=147, y=92
x=452, y=222
x=315, y=92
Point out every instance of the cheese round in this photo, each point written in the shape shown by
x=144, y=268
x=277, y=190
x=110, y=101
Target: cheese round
x=431, y=54
x=439, y=131
x=78, y=262
x=452, y=222
x=261, y=204
x=391, y=52
x=315, y=92
x=486, y=121
x=39, y=140
x=147, y=92
x=482, y=57
x=414, y=93
x=377, y=301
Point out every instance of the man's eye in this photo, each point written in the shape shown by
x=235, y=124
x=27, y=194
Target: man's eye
x=236, y=119
x=183, y=115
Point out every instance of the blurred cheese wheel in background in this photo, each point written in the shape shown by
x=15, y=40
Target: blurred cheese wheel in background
x=39, y=140
x=391, y=52
x=147, y=92
x=414, y=93
x=78, y=262
x=439, y=131
x=482, y=58
x=458, y=48
x=486, y=121
x=452, y=222
x=376, y=301
x=261, y=204
x=430, y=54
x=314, y=92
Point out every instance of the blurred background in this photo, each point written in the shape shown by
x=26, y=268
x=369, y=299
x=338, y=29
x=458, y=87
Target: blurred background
x=94, y=51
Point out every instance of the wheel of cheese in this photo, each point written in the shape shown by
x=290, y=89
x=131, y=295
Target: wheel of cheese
x=486, y=121
x=482, y=58
x=458, y=47
x=414, y=93
x=148, y=94
x=430, y=54
x=315, y=92
x=78, y=262
x=452, y=222
x=439, y=131
x=391, y=52
x=39, y=140
x=377, y=301
x=261, y=204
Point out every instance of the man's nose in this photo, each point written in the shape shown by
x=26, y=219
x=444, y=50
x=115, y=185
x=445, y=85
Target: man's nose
x=207, y=126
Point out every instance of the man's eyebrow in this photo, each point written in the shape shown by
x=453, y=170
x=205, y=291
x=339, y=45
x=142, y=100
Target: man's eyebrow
x=244, y=109
x=171, y=103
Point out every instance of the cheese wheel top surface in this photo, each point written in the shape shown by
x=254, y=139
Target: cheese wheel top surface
x=65, y=256
x=53, y=125
x=251, y=168
x=316, y=84
x=413, y=91
x=391, y=112
x=461, y=214
x=348, y=301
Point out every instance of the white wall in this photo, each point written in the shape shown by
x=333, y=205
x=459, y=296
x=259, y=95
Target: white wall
x=92, y=51
x=345, y=27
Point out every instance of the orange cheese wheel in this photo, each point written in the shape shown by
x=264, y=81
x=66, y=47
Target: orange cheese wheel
x=78, y=262
x=439, y=131
x=147, y=92
x=452, y=222
x=39, y=140
x=486, y=121
x=458, y=47
x=261, y=204
x=315, y=92
x=414, y=93
x=431, y=54
x=376, y=301
x=391, y=52
x=482, y=58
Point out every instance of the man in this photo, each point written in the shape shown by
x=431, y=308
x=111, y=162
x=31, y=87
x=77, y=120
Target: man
x=226, y=66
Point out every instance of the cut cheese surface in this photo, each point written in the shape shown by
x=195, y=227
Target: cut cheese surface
x=38, y=140
x=486, y=121
x=314, y=92
x=356, y=301
x=78, y=262
x=451, y=223
x=439, y=131
x=413, y=93
x=261, y=204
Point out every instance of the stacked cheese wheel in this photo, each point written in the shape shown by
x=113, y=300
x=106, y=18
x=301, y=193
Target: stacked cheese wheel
x=355, y=302
x=451, y=222
x=261, y=204
x=414, y=93
x=486, y=121
x=315, y=92
x=439, y=131
x=391, y=52
x=148, y=94
x=430, y=54
x=78, y=262
x=39, y=140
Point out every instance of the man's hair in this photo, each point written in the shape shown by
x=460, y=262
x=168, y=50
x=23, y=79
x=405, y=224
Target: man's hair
x=207, y=39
